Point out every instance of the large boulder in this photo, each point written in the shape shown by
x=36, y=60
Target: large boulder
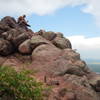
x=37, y=40
x=15, y=36
x=59, y=34
x=71, y=55
x=82, y=65
x=74, y=70
x=45, y=52
x=20, y=39
x=4, y=28
x=43, y=56
x=11, y=34
x=77, y=66
x=25, y=47
x=6, y=47
x=9, y=21
x=74, y=58
x=62, y=43
x=56, y=61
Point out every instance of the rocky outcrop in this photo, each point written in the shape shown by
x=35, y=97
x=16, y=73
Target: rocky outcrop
x=51, y=55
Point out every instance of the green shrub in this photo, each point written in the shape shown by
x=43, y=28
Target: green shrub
x=19, y=85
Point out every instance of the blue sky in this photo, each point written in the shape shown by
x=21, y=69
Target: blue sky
x=68, y=20
x=78, y=20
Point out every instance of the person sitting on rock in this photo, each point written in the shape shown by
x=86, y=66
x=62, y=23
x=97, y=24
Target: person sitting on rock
x=22, y=22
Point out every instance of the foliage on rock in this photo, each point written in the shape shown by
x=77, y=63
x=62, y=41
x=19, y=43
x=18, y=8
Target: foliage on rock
x=19, y=85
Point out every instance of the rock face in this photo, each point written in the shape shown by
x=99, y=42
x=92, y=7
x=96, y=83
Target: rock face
x=51, y=55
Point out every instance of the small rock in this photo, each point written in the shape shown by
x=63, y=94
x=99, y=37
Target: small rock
x=53, y=82
x=49, y=35
x=41, y=32
x=59, y=34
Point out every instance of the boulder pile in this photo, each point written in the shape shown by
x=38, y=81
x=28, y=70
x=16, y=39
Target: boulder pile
x=51, y=55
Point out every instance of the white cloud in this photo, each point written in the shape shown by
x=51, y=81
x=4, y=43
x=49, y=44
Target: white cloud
x=93, y=7
x=40, y=7
x=87, y=47
x=43, y=7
